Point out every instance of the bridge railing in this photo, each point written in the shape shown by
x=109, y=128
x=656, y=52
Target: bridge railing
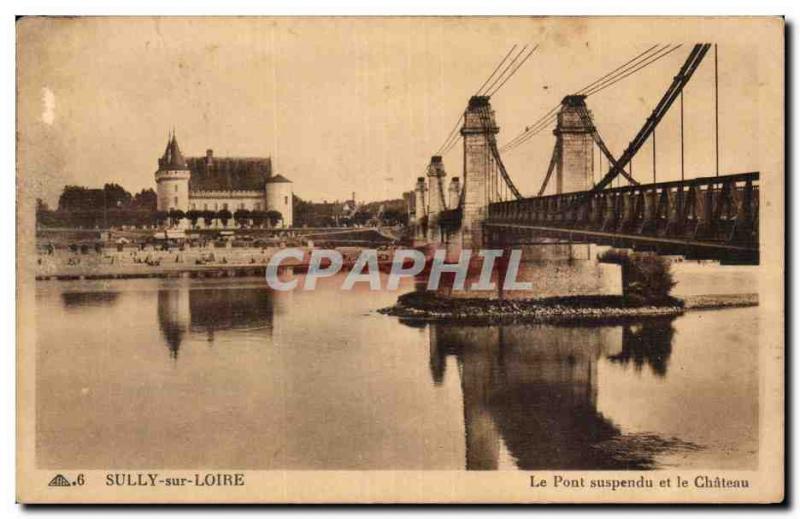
x=721, y=209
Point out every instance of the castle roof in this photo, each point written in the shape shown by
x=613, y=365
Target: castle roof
x=172, y=158
x=229, y=173
x=278, y=179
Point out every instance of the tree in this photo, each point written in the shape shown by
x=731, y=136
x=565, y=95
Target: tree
x=176, y=215
x=146, y=199
x=161, y=217
x=116, y=196
x=273, y=217
x=302, y=210
x=224, y=215
x=395, y=216
x=646, y=278
x=208, y=217
x=241, y=216
x=111, y=196
x=79, y=198
x=258, y=217
x=193, y=216
x=361, y=217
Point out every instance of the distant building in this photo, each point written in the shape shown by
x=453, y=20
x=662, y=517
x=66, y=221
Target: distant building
x=212, y=183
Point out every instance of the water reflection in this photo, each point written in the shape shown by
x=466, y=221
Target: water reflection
x=207, y=310
x=173, y=318
x=533, y=391
x=318, y=380
x=649, y=344
x=79, y=300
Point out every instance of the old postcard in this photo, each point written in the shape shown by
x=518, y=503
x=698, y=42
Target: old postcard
x=400, y=260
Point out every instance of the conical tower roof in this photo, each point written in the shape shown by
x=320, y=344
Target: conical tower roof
x=172, y=158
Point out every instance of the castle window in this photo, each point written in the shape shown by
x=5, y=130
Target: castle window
x=176, y=188
x=193, y=207
x=286, y=200
x=205, y=207
x=225, y=206
x=257, y=206
x=176, y=200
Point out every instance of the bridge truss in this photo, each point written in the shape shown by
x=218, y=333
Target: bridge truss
x=710, y=217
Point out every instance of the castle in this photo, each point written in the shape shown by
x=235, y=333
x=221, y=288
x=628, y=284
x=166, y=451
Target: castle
x=212, y=183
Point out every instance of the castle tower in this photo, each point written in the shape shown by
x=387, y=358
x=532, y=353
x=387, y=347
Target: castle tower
x=279, y=195
x=172, y=178
x=574, y=130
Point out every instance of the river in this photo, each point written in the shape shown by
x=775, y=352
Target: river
x=225, y=374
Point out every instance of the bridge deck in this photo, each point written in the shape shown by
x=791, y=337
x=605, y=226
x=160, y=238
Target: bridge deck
x=714, y=217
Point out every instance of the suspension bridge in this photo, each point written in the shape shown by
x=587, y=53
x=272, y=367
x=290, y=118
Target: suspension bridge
x=711, y=216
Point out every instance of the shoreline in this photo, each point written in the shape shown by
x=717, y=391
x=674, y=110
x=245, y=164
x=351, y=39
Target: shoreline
x=423, y=307
x=190, y=263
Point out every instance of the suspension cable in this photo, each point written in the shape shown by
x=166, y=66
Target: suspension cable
x=628, y=68
x=514, y=71
x=632, y=71
x=596, y=81
x=507, y=67
x=548, y=118
x=684, y=75
x=654, y=155
x=452, y=138
x=682, y=157
x=478, y=92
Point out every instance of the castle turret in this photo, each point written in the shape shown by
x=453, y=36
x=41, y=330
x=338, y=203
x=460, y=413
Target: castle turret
x=172, y=178
x=279, y=195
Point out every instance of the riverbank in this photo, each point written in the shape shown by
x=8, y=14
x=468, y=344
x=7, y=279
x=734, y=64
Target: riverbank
x=426, y=306
x=188, y=262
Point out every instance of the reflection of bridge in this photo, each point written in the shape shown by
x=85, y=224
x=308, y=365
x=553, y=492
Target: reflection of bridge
x=711, y=217
x=533, y=390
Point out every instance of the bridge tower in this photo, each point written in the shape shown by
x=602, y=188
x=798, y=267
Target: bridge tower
x=435, y=193
x=420, y=207
x=574, y=138
x=436, y=202
x=454, y=193
x=478, y=130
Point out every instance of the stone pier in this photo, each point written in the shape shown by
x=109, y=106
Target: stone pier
x=479, y=127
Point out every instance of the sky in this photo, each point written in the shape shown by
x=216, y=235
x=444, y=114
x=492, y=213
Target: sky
x=347, y=105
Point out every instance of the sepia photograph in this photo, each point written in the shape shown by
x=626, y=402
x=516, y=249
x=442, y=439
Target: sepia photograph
x=400, y=259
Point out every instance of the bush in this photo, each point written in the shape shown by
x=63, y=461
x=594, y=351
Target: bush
x=646, y=277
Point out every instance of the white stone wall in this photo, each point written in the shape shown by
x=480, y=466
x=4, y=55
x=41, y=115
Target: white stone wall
x=172, y=188
x=233, y=200
x=279, y=198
